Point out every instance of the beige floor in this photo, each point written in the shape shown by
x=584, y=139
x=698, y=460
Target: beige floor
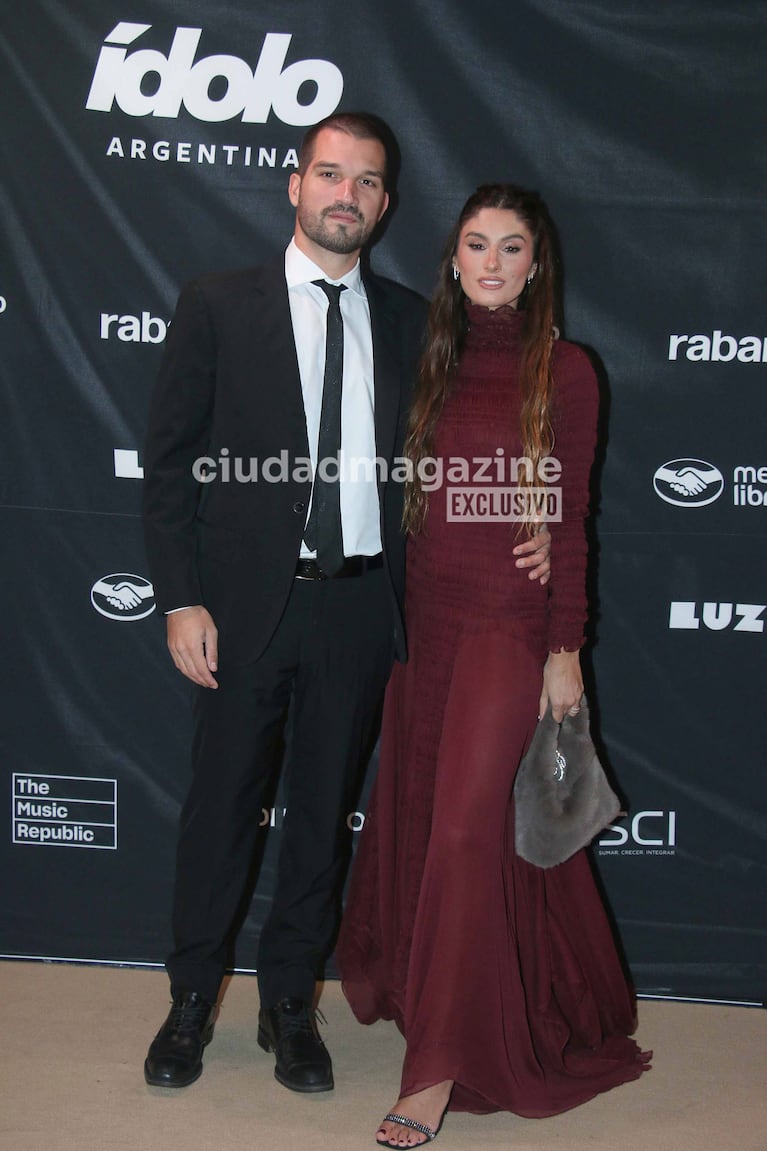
x=74, y=1039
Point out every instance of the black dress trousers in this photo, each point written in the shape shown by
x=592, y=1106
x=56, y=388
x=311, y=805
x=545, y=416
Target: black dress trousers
x=331, y=654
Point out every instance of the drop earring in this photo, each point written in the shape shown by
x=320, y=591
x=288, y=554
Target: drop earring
x=456, y=273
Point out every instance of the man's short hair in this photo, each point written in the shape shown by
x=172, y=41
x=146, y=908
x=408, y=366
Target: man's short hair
x=361, y=125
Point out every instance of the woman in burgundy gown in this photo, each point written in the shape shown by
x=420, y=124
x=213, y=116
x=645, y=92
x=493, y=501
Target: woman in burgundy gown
x=503, y=978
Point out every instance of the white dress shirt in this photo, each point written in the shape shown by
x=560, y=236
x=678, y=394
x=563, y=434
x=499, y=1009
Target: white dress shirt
x=360, y=512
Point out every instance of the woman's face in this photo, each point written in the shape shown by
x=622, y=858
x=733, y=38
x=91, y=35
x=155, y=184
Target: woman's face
x=494, y=257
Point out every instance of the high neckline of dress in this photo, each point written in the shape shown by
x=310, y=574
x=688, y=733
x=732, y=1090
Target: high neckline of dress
x=492, y=327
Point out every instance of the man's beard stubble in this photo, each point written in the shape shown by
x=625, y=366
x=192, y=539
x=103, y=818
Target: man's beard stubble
x=341, y=238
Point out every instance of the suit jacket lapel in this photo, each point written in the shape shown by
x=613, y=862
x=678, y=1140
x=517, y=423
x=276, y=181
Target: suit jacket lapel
x=274, y=347
x=386, y=366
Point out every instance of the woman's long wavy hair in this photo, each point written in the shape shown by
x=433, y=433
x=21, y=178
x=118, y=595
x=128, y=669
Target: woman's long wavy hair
x=446, y=332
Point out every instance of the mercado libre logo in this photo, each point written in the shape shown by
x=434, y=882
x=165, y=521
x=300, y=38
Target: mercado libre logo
x=123, y=597
x=688, y=483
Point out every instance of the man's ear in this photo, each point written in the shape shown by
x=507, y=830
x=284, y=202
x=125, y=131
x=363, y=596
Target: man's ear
x=385, y=204
x=294, y=188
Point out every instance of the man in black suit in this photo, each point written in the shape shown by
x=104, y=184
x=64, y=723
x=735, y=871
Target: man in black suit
x=277, y=590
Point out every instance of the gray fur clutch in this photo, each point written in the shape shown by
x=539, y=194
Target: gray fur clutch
x=561, y=795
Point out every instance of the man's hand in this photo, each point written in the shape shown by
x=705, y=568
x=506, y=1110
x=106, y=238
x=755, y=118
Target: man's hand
x=193, y=644
x=535, y=554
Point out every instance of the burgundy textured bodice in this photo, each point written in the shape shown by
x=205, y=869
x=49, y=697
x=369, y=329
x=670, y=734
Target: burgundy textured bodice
x=469, y=564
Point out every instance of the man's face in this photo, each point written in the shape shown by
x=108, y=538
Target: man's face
x=341, y=197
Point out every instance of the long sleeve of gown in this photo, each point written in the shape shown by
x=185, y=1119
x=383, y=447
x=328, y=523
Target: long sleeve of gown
x=575, y=409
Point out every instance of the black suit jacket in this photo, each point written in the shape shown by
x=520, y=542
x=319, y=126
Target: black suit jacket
x=229, y=383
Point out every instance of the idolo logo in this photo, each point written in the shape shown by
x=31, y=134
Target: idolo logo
x=213, y=88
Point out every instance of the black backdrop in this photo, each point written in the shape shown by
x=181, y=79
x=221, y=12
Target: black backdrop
x=147, y=140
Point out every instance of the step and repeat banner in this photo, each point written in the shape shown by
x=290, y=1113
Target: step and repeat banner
x=146, y=141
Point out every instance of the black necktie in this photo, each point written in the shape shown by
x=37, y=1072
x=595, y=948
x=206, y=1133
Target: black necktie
x=323, y=529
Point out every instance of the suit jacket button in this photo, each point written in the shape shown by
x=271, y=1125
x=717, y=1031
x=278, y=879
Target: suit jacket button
x=298, y=507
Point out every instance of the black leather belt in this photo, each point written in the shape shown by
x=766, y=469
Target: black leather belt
x=353, y=566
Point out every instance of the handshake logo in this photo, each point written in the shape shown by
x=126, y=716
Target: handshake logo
x=688, y=483
x=122, y=596
x=213, y=88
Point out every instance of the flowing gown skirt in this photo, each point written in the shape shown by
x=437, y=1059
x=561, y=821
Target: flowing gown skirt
x=501, y=976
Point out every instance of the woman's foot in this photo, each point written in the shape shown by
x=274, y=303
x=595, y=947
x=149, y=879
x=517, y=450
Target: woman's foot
x=426, y=1107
